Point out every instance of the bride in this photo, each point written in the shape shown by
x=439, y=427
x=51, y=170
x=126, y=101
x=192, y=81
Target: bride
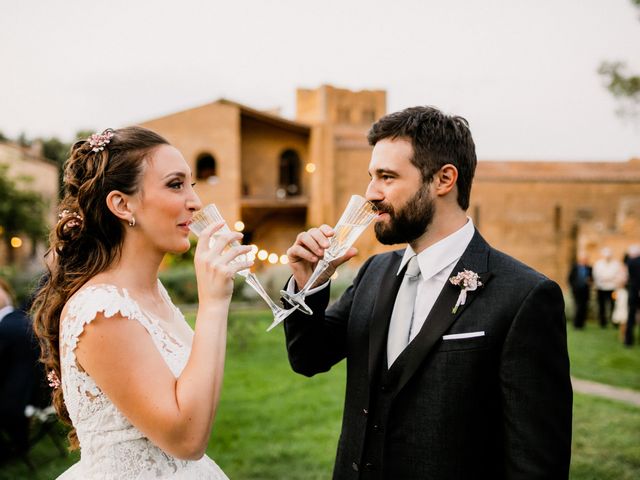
x=138, y=386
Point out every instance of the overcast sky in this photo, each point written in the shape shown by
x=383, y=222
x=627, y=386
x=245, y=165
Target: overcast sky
x=524, y=73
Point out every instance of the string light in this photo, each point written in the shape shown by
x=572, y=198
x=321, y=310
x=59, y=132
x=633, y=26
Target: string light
x=16, y=242
x=310, y=167
x=239, y=226
x=263, y=255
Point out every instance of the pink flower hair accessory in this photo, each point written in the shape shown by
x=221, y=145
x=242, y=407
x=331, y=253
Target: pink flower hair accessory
x=468, y=281
x=74, y=222
x=97, y=141
x=54, y=381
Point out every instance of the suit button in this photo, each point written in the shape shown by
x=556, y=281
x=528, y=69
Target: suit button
x=383, y=388
x=376, y=428
x=365, y=412
x=354, y=465
x=368, y=466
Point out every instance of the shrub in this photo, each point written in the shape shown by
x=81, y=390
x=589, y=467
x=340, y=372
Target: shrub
x=182, y=285
x=23, y=283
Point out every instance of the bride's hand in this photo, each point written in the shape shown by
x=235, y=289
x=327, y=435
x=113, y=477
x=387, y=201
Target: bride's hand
x=215, y=266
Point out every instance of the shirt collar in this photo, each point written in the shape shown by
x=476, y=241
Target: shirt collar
x=4, y=311
x=441, y=254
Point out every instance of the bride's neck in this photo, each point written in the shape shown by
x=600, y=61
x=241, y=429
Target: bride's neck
x=137, y=269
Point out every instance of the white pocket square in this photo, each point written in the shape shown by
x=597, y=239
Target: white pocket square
x=458, y=336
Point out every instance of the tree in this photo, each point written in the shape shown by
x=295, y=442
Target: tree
x=22, y=211
x=57, y=151
x=624, y=86
x=23, y=141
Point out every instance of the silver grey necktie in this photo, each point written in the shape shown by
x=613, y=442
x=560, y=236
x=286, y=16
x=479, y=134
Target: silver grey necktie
x=402, y=316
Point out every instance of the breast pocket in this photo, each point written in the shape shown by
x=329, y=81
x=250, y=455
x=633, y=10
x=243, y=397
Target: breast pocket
x=450, y=343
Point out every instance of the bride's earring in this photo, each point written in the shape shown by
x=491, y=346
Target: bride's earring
x=132, y=222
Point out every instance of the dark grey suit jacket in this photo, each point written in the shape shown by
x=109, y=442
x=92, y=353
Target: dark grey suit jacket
x=493, y=406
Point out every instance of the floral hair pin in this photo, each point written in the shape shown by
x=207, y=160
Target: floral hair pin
x=97, y=141
x=468, y=281
x=54, y=381
x=76, y=221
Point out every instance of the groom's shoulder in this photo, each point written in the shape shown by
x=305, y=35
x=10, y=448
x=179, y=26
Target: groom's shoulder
x=385, y=258
x=515, y=270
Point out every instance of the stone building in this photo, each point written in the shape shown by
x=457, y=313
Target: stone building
x=35, y=173
x=274, y=175
x=543, y=213
x=279, y=177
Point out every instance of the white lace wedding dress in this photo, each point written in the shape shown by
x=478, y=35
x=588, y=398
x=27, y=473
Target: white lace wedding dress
x=110, y=446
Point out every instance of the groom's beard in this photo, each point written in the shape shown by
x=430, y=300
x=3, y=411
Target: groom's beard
x=407, y=223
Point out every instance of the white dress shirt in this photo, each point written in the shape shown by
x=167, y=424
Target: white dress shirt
x=4, y=311
x=436, y=266
x=608, y=274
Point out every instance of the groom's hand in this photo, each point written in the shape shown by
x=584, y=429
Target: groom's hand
x=308, y=249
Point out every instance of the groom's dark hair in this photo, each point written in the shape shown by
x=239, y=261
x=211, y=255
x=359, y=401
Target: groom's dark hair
x=437, y=140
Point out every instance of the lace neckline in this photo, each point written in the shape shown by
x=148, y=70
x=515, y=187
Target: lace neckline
x=155, y=320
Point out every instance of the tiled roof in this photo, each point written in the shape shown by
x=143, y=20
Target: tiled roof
x=517, y=171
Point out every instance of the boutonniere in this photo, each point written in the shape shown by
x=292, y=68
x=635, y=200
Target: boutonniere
x=468, y=281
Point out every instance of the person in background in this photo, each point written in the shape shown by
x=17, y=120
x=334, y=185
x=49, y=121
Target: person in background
x=19, y=372
x=607, y=272
x=633, y=291
x=580, y=280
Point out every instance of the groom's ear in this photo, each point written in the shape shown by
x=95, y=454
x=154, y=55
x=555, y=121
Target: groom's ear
x=445, y=179
x=121, y=205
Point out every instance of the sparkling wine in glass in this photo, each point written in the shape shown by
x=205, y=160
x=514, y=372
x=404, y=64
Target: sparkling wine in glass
x=355, y=218
x=210, y=215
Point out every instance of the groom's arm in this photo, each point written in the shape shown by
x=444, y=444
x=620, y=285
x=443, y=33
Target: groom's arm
x=536, y=388
x=317, y=342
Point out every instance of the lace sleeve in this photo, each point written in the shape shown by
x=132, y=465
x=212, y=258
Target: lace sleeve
x=83, y=398
x=85, y=306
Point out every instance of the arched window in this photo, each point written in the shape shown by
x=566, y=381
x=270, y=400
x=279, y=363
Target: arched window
x=290, y=173
x=206, y=167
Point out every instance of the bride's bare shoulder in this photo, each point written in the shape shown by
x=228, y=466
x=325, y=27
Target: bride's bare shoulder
x=99, y=282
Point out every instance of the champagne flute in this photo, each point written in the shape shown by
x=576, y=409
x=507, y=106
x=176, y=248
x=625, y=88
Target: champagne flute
x=355, y=218
x=210, y=215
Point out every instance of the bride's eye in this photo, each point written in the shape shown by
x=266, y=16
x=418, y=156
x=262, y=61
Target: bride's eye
x=176, y=185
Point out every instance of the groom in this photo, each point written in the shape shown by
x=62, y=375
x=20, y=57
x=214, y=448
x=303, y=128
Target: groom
x=457, y=364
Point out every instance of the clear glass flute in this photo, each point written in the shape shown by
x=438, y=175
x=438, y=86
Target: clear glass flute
x=210, y=215
x=355, y=218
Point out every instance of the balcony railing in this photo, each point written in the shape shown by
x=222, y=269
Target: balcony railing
x=272, y=201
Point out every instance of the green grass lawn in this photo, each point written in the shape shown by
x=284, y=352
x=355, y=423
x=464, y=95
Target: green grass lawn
x=598, y=355
x=274, y=424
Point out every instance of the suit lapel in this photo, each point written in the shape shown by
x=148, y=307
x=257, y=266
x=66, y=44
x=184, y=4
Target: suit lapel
x=440, y=319
x=382, y=310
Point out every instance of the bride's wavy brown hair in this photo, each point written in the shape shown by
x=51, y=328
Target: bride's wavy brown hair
x=88, y=238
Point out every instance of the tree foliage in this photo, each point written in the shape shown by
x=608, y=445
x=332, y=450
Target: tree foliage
x=623, y=85
x=55, y=149
x=22, y=211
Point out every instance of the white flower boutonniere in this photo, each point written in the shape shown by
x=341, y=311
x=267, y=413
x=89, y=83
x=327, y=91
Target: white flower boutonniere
x=468, y=281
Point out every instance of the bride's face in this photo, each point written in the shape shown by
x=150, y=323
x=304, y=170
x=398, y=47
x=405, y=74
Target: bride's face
x=167, y=201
